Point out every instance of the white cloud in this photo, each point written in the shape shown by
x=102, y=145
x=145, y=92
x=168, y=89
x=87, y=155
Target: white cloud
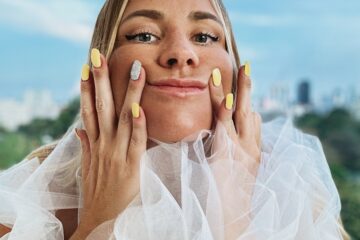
x=70, y=20
x=38, y=104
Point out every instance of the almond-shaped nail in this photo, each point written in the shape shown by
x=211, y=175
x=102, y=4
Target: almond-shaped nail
x=135, y=70
x=95, y=57
x=135, y=109
x=216, y=76
x=85, y=72
x=247, y=69
x=229, y=101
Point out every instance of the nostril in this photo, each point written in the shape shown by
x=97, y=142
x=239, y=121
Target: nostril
x=172, y=61
x=189, y=62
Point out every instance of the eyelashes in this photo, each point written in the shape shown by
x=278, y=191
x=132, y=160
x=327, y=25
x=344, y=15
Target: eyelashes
x=143, y=37
x=201, y=38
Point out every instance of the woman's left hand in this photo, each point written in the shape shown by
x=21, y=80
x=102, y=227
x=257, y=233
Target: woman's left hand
x=242, y=125
x=236, y=176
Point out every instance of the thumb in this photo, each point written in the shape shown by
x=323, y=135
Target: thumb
x=85, y=152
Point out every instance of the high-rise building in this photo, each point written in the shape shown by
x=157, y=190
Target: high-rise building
x=303, y=93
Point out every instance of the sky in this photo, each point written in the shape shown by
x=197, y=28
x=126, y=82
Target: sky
x=45, y=43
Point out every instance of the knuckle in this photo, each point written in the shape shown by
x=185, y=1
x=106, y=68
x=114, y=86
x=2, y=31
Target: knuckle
x=100, y=104
x=86, y=110
x=136, y=142
x=125, y=117
x=241, y=114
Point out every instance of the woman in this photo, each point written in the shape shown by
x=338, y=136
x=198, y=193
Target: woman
x=167, y=151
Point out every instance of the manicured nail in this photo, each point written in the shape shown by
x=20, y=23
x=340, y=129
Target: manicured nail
x=135, y=70
x=247, y=69
x=135, y=109
x=95, y=57
x=85, y=72
x=216, y=76
x=229, y=101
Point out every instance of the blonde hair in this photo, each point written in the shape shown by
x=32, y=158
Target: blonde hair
x=104, y=38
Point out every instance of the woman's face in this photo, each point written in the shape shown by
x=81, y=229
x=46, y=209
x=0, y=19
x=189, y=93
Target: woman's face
x=180, y=41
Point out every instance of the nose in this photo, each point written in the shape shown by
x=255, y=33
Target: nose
x=178, y=52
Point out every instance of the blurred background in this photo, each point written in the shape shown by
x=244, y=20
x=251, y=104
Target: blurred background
x=305, y=59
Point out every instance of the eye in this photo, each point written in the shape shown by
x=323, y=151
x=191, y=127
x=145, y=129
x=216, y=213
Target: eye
x=144, y=37
x=205, y=38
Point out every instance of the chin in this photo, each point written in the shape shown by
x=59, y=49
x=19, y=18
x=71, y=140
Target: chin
x=174, y=124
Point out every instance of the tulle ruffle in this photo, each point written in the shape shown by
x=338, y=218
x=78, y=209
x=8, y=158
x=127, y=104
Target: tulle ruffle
x=201, y=188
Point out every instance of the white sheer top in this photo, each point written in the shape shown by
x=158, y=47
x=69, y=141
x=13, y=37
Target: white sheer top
x=189, y=191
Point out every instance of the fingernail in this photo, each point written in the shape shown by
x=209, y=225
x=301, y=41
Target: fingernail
x=135, y=109
x=85, y=72
x=216, y=76
x=229, y=101
x=95, y=57
x=77, y=134
x=247, y=69
x=135, y=70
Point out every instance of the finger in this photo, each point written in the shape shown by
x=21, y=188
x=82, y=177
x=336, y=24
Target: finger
x=257, y=124
x=138, y=141
x=133, y=95
x=88, y=111
x=216, y=90
x=104, y=102
x=243, y=101
x=222, y=106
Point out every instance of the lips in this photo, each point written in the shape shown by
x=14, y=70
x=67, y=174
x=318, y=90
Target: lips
x=179, y=87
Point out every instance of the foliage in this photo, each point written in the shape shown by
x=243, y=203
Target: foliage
x=38, y=128
x=15, y=146
x=339, y=133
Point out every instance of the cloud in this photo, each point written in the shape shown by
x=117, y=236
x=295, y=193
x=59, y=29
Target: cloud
x=69, y=20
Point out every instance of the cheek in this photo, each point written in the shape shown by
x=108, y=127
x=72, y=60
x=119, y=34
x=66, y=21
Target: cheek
x=119, y=72
x=120, y=64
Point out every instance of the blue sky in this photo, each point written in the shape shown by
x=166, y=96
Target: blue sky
x=45, y=43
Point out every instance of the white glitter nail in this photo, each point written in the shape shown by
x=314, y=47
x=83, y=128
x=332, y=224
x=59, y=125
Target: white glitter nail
x=135, y=70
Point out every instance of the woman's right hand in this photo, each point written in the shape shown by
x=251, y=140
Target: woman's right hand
x=111, y=146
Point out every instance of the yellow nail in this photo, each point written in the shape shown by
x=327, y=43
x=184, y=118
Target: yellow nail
x=247, y=69
x=216, y=76
x=95, y=58
x=135, y=110
x=85, y=72
x=229, y=101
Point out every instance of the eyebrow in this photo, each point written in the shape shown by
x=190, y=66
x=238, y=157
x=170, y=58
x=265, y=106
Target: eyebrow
x=156, y=15
x=199, y=15
x=152, y=14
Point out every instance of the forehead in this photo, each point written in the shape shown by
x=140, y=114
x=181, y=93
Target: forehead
x=171, y=7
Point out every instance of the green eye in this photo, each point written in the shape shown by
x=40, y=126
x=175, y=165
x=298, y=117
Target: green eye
x=142, y=37
x=204, y=38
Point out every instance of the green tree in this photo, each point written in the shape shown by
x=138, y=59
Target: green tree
x=14, y=147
